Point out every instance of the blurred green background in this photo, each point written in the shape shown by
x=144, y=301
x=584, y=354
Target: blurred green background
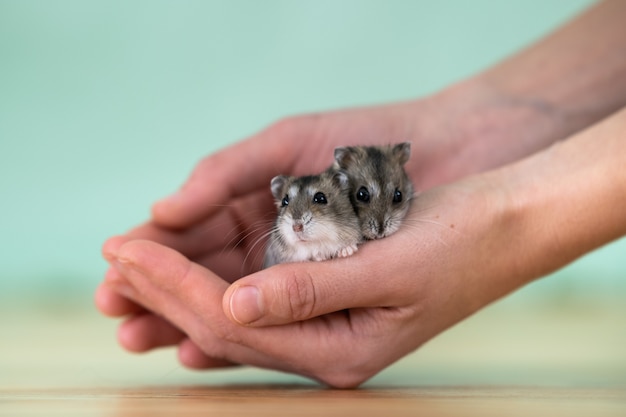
x=105, y=106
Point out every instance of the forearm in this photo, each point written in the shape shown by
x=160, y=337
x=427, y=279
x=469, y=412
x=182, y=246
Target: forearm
x=569, y=80
x=577, y=74
x=546, y=210
x=570, y=198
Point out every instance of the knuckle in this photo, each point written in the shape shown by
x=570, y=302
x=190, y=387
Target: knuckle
x=225, y=332
x=300, y=295
x=218, y=340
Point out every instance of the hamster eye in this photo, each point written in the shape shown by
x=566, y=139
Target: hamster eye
x=285, y=201
x=397, y=196
x=363, y=195
x=319, y=198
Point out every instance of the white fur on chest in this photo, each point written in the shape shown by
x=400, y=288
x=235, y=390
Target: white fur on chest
x=317, y=242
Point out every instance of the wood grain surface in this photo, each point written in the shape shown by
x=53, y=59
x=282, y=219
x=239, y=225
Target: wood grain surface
x=505, y=361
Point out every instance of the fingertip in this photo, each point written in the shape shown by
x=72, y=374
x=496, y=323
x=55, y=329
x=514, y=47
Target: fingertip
x=128, y=338
x=144, y=332
x=166, y=211
x=161, y=265
x=112, y=304
x=257, y=300
x=102, y=300
x=134, y=253
x=243, y=304
x=294, y=292
x=112, y=245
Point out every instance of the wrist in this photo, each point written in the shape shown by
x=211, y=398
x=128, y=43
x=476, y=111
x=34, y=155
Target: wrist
x=475, y=127
x=564, y=201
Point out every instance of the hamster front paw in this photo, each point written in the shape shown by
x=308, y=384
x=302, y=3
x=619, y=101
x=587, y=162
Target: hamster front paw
x=347, y=251
x=318, y=256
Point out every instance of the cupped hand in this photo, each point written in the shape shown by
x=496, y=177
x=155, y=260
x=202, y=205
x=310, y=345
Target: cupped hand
x=403, y=290
x=219, y=217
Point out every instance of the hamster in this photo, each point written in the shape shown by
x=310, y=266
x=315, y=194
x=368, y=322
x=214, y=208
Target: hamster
x=381, y=191
x=315, y=221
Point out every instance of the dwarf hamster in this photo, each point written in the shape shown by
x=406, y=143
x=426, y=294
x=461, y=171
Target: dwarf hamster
x=315, y=220
x=381, y=191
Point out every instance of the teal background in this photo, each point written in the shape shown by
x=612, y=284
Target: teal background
x=105, y=106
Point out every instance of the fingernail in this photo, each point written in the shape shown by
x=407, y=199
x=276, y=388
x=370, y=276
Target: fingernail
x=246, y=305
x=126, y=264
x=124, y=269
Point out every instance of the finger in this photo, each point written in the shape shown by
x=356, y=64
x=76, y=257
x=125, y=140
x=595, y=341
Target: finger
x=111, y=246
x=113, y=304
x=235, y=235
x=190, y=297
x=232, y=172
x=206, y=236
x=144, y=332
x=294, y=292
x=114, y=296
x=235, y=171
x=191, y=356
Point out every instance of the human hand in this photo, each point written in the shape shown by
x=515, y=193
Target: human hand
x=402, y=291
x=219, y=216
x=490, y=120
x=462, y=246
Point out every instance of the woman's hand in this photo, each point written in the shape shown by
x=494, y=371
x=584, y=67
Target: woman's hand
x=219, y=217
x=338, y=321
x=463, y=246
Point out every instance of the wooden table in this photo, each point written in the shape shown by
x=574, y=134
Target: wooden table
x=508, y=360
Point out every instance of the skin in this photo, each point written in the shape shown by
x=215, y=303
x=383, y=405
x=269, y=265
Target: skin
x=501, y=204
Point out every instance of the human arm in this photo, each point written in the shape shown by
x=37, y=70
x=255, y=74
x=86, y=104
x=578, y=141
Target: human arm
x=499, y=116
x=464, y=245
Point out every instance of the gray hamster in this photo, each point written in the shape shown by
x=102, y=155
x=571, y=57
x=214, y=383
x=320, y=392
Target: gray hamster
x=381, y=191
x=315, y=220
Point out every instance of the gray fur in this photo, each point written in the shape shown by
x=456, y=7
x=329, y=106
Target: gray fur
x=380, y=169
x=328, y=230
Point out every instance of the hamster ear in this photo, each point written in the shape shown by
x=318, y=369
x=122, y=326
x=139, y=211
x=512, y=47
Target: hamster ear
x=340, y=178
x=402, y=151
x=343, y=157
x=277, y=184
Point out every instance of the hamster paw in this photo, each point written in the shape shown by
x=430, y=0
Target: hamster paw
x=347, y=251
x=318, y=256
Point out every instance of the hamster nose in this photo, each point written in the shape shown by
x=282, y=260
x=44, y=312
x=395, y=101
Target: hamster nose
x=297, y=227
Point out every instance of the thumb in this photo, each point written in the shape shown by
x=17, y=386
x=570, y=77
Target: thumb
x=294, y=292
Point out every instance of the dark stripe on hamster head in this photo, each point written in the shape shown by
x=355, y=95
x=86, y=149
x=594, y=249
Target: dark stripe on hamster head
x=376, y=157
x=306, y=180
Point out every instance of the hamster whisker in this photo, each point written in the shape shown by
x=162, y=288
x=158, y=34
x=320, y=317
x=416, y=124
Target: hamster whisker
x=244, y=234
x=255, y=243
x=233, y=216
x=237, y=240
